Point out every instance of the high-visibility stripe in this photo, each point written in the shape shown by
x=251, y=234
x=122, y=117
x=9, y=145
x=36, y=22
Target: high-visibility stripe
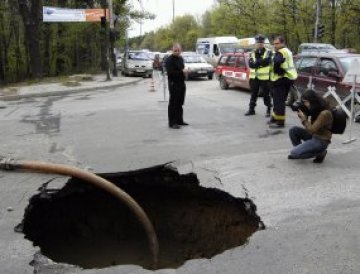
x=278, y=117
x=259, y=74
x=262, y=73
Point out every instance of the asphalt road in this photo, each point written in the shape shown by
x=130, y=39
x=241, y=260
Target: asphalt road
x=311, y=211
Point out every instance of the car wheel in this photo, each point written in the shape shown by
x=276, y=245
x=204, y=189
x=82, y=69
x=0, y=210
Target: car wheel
x=210, y=76
x=223, y=84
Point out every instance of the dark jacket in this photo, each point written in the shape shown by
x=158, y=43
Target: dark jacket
x=259, y=61
x=174, y=68
x=278, y=60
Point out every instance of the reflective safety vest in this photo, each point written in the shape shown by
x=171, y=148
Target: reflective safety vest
x=261, y=73
x=288, y=66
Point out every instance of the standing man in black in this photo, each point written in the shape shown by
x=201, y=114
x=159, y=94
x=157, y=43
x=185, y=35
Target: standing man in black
x=176, y=77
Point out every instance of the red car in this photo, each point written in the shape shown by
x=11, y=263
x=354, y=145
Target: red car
x=321, y=70
x=233, y=70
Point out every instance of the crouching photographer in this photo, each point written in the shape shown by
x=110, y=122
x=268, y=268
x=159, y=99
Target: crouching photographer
x=312, y=140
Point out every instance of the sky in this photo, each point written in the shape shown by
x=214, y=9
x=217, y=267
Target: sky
x=163, y=9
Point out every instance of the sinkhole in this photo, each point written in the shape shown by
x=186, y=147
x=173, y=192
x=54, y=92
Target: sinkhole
x=85, y=226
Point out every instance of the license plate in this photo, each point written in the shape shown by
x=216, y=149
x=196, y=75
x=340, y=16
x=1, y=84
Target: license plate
x=140, y=70
x=202, y=71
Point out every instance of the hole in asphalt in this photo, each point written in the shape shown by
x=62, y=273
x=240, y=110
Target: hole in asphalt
x=84, y=226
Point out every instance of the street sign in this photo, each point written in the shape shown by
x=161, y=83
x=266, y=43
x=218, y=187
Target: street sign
x=54, y=14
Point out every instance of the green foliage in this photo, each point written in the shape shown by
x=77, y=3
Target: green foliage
x=294, y=19
x=67, y=48
x=63, y=48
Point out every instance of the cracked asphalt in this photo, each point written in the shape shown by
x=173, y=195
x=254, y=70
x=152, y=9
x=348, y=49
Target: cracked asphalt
x=311, y=212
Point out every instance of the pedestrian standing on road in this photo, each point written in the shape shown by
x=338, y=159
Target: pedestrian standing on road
x=312, y=140
x=259, y=62
x=176, y=72
x=282, y=76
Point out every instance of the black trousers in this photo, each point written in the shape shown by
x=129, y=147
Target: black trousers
x=255, y=85
x=280, y=91
x=177, y=92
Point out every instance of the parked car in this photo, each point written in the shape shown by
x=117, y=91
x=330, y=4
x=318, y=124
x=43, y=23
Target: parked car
x=321, y=70
x=233, y=70
x=119, y=62
x=137, y=63
x=197, y=66
x=315, y=47
x=158, y=61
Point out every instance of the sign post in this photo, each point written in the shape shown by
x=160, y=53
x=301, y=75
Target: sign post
x=163, y=83
x=353, y=77
x=55, y=14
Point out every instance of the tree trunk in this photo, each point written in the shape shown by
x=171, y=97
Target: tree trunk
x=333, y=22
x=47, y=49
x=2, y=52
x=285, y=34
x=29, y=11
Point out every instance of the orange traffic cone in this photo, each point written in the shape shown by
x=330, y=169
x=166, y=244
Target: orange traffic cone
x=152, y=85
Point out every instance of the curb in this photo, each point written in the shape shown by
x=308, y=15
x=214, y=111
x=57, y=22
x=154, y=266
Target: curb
x=66, y=92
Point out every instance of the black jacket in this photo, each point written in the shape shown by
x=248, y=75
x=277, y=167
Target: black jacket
x=174, y=68
x=259, y=61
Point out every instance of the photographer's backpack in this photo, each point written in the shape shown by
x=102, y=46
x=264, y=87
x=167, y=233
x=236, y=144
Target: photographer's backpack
x=339, y=121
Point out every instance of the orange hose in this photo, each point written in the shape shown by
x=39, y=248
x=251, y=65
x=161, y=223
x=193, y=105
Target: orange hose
x=105, y=185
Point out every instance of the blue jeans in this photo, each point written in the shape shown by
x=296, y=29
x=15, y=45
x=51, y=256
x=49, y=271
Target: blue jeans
x=305, y=145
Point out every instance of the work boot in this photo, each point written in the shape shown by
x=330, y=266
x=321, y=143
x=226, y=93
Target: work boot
x=251, y=111
x=268, y=112
x=277, y=124
x=271, y=121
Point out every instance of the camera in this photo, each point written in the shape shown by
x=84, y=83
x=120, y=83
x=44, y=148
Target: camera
x=299, y=105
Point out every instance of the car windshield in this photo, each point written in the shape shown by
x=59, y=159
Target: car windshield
x=140, y=56
x=194, y=59
x=229, y=47
x=346, y=62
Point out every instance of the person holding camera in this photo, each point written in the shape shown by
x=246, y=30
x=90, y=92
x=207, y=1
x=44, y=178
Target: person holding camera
x=259, y=62
x=312, y=140
x=282, y=76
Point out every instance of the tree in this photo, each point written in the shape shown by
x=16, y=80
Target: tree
x=30, y=13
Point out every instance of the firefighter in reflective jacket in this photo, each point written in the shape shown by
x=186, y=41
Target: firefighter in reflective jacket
x=259, y=62
x=282, y=76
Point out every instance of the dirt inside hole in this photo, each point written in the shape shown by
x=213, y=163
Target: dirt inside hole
x=82, y=225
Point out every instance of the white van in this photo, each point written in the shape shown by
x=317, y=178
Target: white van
x=211, y=48
x=248, y=44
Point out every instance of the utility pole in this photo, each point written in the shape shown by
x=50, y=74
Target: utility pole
x=141, y=20
x=173, y=11
x=113, y=38
x=317, y=20
x=107, y=44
